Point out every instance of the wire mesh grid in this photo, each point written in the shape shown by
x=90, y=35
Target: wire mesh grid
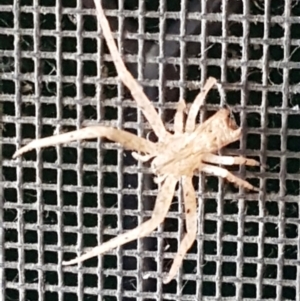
x=57, y=75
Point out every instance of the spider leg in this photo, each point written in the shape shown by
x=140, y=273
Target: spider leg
x=224, y=173
x=198, y=102
x=142, y=158
x=161, y=208
x=126, y=77
x=126, y=139
x=190, y=205
x=229, y=160
x=179, y=117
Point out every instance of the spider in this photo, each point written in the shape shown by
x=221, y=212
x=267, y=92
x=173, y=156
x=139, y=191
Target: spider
x=177, y=156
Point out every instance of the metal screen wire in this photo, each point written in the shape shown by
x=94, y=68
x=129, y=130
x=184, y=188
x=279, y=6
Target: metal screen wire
x=57, y=75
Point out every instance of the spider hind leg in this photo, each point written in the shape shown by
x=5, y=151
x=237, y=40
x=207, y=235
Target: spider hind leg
x=190, y=205
x=161, y=208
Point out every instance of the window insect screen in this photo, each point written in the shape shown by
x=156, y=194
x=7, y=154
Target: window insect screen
x=57, y=75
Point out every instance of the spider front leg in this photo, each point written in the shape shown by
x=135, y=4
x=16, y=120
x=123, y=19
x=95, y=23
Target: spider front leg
x=190, y=205
x=179, y=117
x=229, y=160
x=126, y=139
x=160, y=211
x=198, y=102
x=224, y=173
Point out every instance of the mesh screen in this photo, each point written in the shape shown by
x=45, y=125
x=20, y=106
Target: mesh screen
x=57, y=75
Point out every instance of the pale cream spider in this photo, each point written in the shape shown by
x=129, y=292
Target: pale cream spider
x=176, y=156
